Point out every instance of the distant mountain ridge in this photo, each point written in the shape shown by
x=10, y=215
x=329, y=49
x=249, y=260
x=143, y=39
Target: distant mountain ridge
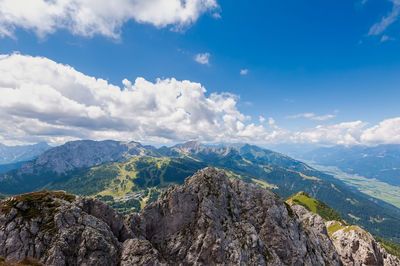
x=61, y=160
x=113, y=168
x=13, y=154
x=381, y=162
x=4, y=168
x=210, y=219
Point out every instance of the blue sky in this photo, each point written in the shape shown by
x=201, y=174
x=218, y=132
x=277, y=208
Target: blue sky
x=309, y=64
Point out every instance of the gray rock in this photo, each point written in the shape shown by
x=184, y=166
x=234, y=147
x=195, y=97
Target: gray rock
x=358, y=247
x=55, y=230
x=139, y=252
x=211, y=221
x=318, y=234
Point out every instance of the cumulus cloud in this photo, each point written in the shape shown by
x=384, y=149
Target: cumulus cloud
x=244, y=72
x=41, y=100
x=202, y=58
x=97, y=17
x=386, y=21
x=347, y=133
x=312, y=116
x=386, y=132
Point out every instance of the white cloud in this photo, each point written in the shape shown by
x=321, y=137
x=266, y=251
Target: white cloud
x=272, y=124
x=386, y=38
x=312, y=116
x=202, y=58
x=96, y=17
x=323, y=117
x=302, y=115
x=387, y=131
x=216, y=15
x=352, y=133
x=244, y=72
x=385, y=22
x=343, y=133
x=41, y=100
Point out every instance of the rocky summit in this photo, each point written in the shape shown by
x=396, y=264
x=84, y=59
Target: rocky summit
x=209, y=220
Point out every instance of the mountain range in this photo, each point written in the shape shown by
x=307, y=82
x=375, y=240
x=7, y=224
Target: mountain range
x=130, y=175
x=210, y=219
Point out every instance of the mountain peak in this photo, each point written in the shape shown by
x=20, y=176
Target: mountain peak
x=192, y=144
x=211, y=220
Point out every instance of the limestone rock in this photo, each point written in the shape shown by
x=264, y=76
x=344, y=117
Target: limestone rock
x=210, y=220
x=51, y=227
x=358, y=247
x=318, y=234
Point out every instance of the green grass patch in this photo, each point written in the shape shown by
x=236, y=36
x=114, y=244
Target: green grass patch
x=334, y=228
x=391, y=248
x=315, y=206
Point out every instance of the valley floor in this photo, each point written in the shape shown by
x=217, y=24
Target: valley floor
x=369, y=186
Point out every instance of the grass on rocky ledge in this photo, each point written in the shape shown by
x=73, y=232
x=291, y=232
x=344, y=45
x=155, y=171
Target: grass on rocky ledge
x=390, y=247
x=36, y=202
x=315, y=206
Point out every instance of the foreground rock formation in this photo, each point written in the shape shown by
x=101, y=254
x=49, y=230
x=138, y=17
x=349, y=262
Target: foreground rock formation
x=354, y=245
x=206, y=221
x=358, y=247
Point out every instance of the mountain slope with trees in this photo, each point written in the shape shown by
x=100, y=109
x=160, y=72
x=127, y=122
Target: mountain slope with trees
x=131, y=171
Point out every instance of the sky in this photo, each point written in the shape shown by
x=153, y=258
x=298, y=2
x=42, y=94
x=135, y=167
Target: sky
x=167, y=71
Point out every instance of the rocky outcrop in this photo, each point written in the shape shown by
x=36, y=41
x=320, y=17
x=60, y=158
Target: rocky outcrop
x=353, y=245
x=358, y=247
x=56, y=229
x=317, y=232
x=209, y=220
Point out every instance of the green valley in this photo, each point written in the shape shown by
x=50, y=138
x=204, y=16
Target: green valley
x=370, y=186
x=135, y=175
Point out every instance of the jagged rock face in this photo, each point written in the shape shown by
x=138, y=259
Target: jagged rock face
x=316, y=230
x=210, y=220
x=358, y=247
x=59, y=229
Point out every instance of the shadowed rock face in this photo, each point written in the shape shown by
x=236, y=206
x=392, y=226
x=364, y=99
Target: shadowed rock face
x=59, y=229
x=206, y=221
x=210, y=220
x=353, y=245
x=358, y=247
